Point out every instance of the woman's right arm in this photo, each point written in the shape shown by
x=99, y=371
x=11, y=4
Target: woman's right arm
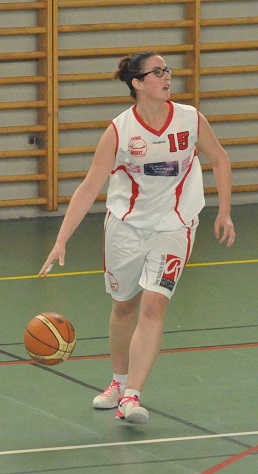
x=84, y=196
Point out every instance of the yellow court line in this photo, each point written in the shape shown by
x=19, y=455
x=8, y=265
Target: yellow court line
x=96, y=272
x=27, y=277
x=231, y=262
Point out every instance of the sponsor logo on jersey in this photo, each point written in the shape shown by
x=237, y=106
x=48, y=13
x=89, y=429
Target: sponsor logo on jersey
x=131, y=168
x=163, y=168
x=137, y=147
x=169, y=271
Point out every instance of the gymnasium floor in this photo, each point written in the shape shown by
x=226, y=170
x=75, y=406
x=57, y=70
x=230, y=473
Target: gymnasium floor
x=201, y=394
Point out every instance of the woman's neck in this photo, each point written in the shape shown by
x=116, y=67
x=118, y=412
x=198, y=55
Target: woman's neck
x=154, y=115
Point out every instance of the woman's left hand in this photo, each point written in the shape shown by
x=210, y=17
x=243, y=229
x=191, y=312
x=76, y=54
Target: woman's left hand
x=228, y=232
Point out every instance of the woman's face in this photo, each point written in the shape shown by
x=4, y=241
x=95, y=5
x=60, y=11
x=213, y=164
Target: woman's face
x=153, y=86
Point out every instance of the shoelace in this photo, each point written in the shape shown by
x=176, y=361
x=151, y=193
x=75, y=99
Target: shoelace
x=110, y=388
x=135, y=401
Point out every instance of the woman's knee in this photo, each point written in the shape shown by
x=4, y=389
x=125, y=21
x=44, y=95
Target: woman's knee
x=153, y=305
x=124, y=308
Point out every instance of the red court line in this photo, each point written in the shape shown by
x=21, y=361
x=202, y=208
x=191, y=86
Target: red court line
x=231, y=460
x=212, y=348
x=163, y=351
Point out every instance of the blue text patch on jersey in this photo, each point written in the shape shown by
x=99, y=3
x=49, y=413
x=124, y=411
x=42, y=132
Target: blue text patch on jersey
x=163, y=168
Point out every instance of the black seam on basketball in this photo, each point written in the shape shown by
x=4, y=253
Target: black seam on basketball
x=43, y=342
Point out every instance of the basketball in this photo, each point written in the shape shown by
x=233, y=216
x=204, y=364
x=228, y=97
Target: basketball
x=49, y=338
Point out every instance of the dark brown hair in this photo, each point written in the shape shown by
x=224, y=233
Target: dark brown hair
x=130, y=67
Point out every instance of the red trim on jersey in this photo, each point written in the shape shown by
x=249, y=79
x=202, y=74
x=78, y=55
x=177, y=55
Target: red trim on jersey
x=179, y=190
x=166, y=124
x=135, y=189
x=117, y=137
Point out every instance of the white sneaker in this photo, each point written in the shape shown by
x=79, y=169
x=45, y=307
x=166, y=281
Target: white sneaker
x=110, y=397
x=129, y=409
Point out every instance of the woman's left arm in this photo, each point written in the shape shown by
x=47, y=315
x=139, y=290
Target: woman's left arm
x=209, y=145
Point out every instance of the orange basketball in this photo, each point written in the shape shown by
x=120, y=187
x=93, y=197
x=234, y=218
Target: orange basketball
x=49, y=338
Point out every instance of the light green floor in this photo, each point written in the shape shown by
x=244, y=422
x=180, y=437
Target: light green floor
x=201, y=394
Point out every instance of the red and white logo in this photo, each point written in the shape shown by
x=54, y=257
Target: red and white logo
x=137, y=147
x=172, y=268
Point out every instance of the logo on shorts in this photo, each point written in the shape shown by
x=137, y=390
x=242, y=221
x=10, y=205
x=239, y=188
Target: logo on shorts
x=113, y=283
x=137, y=147
x=169, y=271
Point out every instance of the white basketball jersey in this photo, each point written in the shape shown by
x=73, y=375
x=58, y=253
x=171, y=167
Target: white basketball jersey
x=156, y=183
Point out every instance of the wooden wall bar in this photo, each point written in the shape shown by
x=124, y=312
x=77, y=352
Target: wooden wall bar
x=42, y=130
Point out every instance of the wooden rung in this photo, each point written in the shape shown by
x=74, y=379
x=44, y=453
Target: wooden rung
x=223, y=141
x=74, y=150
x=22, y=177
x=109, y=52
x=82, y=125
x=67, y=199
x=229, y=21
x=229, y=93
x=248, y=188
x=23, y=104
x=104, y=124
x=227, y=46
x=94, y=101
x=106, y=76
x=22, y=153
x=242, y=165
x=32, y=30
x=144, y=25
x=239, y=141
x=205, y=167
x=72, y=174
x=112, y=100
x=23, y=202
x=22, y=56
x=116, y=3
x=22, y=80
x=103, y=76
x=228, y=70
x=23, y=129
x=232, y=118
x=244, y=188
x=23, y=6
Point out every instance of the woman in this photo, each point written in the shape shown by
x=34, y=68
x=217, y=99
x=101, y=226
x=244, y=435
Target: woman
x=155, y=194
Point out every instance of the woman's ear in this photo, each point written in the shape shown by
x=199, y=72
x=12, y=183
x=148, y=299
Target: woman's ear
x=137, y=84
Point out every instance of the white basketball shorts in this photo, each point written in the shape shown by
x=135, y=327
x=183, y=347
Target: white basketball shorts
x=137, y=259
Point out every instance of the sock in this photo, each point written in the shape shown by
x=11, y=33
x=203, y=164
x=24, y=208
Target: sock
x=130, y=392
x=120, y=378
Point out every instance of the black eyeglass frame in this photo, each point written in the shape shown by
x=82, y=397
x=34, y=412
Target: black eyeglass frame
x=156, y=70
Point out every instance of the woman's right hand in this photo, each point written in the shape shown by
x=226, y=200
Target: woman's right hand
x=57, y=254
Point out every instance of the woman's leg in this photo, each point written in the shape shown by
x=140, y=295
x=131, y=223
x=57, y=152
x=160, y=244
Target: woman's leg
x=123, y=321
x=146, y=341
x=143, y=351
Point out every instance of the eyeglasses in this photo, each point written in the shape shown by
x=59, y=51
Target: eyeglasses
x=158, y=71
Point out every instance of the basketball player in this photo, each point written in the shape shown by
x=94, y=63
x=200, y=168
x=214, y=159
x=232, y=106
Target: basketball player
x=149, y=155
